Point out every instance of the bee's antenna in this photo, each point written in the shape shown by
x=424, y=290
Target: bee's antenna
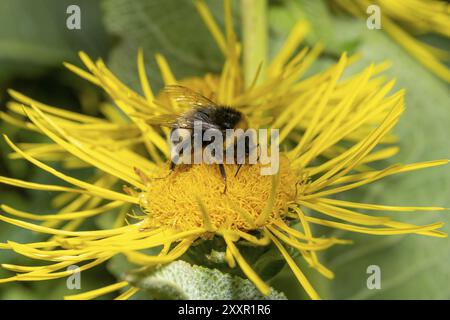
x=146, y=179
x=159, y=178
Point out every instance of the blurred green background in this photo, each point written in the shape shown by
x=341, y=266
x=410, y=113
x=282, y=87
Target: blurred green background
x=34, y=41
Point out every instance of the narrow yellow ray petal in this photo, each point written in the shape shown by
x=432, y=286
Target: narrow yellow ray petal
x=308, y=251
x=263, y=241
x=70, y=226
x=42, y=229
x=212, y=25
x=229, y=31
x=356, y=153
x=395, y=169
x=145, y=260
x=37, y=186
x=428, y=230
x=295, y=37
x=145, y=85
x=45, y=244
x=87, y=61
x=335, y=158
x=298, y=245
x=299, y=235
x=101, y=192
x=295, y=269
x=62, y=199
x=88, y=154
x=127, y=294
x=368, y=206
x=262, y=218
x=47, y=268
x=46, y=274
x=73, y=255
x=417, y=50
x=292, y=108
x=86, y=200
x=18, y=122
x=333, y=121
x=299, y=114
x=314, y=258
x=98, y=292
x=156, y=240
x=309, y=133
x=300, y=68
x=10, y=279
x=81, y=73
x=246, y=268
x=54, y=110
x=371, y=176
x=62, y=216
x=165, y=70
x=344, y=214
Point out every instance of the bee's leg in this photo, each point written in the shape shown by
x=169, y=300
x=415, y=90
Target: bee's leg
x=237, y=171
x=174, y=162
x=257, y=159
x=259, y=152
x=172, y=166
x=224, y=176
x=164, y=177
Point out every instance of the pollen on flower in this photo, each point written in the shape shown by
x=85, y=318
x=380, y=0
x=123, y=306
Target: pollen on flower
x=175, y=201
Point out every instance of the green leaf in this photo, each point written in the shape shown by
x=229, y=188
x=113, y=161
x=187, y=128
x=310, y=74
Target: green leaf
x=34, y=35
x=180, y=280
x=317, y=14
x=171, y=27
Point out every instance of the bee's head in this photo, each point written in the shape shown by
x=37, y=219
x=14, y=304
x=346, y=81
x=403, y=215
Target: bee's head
x=242, y=123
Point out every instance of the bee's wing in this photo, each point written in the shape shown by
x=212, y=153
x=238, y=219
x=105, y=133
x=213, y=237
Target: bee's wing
x=166, y=120
x=188, y=97
x=182, y=121
x=199, y=110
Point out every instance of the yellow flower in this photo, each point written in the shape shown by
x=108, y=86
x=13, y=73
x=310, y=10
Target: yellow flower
x=314, y=115
x=402, y=19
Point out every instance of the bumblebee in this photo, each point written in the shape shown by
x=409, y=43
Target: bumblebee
x=204, y=112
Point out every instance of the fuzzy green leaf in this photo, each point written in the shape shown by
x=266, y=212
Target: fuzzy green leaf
x=180, y=280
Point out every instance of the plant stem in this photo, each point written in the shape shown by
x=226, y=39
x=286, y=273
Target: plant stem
x=254, y=33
